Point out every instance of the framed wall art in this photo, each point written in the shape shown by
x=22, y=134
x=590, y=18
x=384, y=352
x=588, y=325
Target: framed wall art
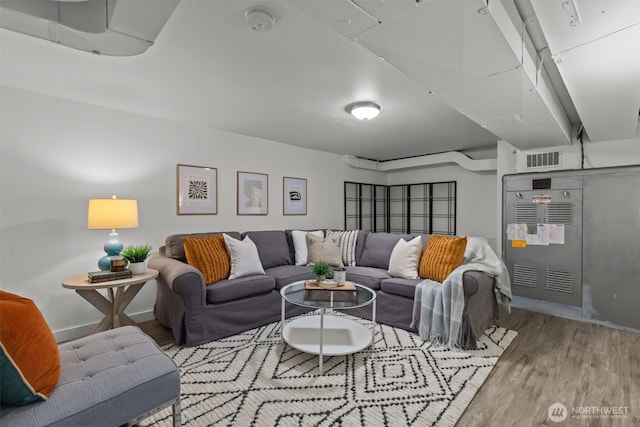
x=252, y=193
x=197, y=190
x=294, y=196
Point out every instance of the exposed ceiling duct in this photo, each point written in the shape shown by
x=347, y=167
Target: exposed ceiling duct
x=106, y=27
x=596, y=48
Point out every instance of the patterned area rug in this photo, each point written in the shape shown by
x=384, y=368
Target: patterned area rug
x=254, y=379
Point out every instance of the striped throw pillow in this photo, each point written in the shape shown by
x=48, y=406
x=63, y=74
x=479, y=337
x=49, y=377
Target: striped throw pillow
x=347, y=245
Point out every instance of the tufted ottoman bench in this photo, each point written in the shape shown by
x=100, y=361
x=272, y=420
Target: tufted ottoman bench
x=111, y=378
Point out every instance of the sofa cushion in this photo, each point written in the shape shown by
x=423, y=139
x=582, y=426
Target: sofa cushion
x=233, y=289
x=244, y=257
x=287, y=274
x=29, y=356
x=360, y=243
x=367, y=276
x=378, y=248
x=348, y=239
x=175, y=249
x=400, y=286
x=272, y=247
x=442, y=255
x=405, y=258
x=299, y=239
x=209, y=255
x=327, y=250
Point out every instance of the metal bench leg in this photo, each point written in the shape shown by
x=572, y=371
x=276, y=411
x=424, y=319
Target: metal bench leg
x=177, y=418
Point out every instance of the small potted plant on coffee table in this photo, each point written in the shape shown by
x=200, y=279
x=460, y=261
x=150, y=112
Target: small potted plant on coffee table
x=321, y=271
x=136, y=255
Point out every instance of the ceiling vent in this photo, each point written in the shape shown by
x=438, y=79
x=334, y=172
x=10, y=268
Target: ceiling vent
x=528, y=160
x=106, y=27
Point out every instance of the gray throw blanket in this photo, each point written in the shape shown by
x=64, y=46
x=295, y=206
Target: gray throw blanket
x=438, y=308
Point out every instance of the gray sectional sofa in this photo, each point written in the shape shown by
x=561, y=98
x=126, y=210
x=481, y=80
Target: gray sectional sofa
x=197, y=313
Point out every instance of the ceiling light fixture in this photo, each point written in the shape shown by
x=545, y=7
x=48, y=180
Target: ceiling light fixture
x=364, y=110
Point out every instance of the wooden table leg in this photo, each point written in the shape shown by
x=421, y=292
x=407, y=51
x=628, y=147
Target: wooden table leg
x=113, y=306
x=122, y=299
x=98, y=300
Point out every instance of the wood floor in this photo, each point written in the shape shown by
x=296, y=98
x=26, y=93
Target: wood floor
x=552, y=360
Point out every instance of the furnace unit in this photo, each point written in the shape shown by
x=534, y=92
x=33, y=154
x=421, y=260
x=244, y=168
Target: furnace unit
x=573, y=238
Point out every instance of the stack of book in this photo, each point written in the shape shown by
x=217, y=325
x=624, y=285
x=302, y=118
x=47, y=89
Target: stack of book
x=105, y=276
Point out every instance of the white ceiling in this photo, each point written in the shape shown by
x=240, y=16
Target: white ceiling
x=447, y=76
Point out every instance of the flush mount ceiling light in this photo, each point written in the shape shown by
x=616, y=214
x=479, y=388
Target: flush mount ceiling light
x=364, y=110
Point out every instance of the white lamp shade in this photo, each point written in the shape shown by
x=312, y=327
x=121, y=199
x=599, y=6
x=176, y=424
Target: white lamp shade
x=364, y=110
x=112, y=213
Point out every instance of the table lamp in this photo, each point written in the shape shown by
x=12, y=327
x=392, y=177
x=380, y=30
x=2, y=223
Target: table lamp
x=105, y=214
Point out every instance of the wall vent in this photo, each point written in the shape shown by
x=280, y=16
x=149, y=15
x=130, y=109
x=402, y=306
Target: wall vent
x=559, y=213
x=549, y=160
x=525, y=276
x=525, y=213
x=558, y=280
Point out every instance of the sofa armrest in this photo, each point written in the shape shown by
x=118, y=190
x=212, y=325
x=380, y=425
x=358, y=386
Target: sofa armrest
x=180, y=278
x=472, y=280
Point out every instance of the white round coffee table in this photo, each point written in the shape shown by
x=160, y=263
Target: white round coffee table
x=327, y=335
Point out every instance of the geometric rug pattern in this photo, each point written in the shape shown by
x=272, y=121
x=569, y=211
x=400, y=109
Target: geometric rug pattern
x=255, y=379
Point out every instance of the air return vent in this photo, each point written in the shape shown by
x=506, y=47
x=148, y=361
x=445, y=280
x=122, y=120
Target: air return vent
x=525, y=276
x=560, y=213
x=548, y=160
x=558, y=281
x=525, y=213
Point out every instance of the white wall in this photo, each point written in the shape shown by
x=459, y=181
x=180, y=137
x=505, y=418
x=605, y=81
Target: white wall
x=57, y=154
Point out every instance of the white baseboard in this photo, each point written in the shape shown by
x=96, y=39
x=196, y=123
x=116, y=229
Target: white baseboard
x=84, y=330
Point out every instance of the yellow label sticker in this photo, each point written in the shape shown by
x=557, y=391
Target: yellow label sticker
x=518, y=243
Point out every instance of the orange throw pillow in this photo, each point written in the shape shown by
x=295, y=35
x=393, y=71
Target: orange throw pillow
x=209, y=255
x=442, y=255
x=30, y=359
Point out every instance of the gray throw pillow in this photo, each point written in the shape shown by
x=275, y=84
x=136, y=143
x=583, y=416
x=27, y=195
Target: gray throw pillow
x=272, y=247
x=378, y=248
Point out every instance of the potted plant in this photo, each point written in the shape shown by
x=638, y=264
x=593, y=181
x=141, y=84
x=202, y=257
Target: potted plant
x=136, y=255
x=321, y=271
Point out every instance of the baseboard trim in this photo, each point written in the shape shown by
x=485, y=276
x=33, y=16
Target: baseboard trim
x=84, y=330
x=564, y=311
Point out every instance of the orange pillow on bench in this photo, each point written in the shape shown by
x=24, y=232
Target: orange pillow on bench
x=29, y=356
x=209, y=255
x=442, y=255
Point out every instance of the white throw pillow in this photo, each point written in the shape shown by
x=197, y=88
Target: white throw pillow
x=405, y=258
x=300, y=244
x=245, y=260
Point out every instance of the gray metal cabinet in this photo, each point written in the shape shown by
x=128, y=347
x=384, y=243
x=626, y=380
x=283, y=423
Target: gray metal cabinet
x=595, y=267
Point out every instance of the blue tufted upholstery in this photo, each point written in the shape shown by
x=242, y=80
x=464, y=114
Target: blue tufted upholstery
x=107, y=379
